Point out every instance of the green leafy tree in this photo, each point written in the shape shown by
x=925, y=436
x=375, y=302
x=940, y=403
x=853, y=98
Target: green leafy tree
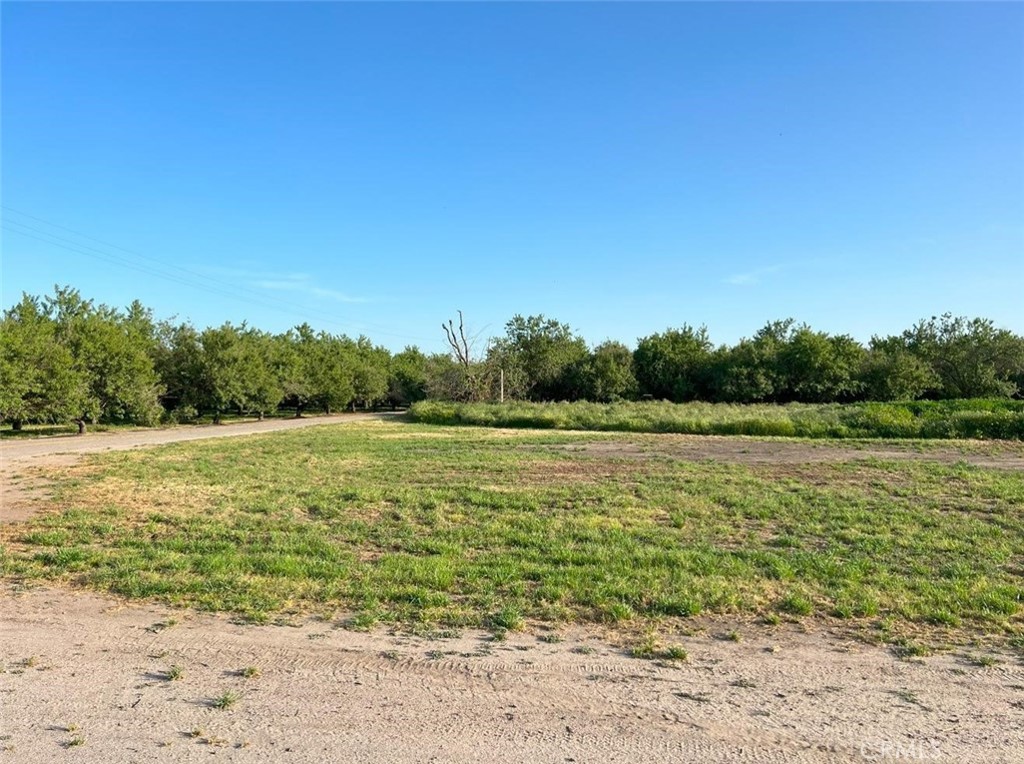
x=371, y=373
x=748, y=372
x=39, y=380
x=260, y=388
x=449, y=380
x=220, y=384
x=971, y=357
x=407, y=382
x=538, y=356
x=178, y=361
x=332, y=365
x=674, y=365
x=113, y=353
x=892, y=373
x=607, y=374
x=295, y=349
x=817, y=367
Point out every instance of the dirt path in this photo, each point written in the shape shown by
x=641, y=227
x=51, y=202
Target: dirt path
x=18, y=450
x=1004, y=455
x=21, y=488
x=83, y=667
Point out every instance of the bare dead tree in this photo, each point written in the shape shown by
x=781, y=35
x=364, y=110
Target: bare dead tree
x=473, y=383
x=458, y=342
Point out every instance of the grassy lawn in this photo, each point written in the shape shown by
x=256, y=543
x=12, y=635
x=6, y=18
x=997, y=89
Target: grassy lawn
x=472, y=526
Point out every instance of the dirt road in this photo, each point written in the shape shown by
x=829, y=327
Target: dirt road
x=18, y=450
x=89, y=679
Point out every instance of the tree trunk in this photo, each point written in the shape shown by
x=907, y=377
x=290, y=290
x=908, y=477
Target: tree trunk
x=81, y=426
x=216, y=416
x=16, y=425
x=353, y=406
x=298, y=411
x=260, y=416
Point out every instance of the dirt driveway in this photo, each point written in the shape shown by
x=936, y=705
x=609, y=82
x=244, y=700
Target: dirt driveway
x=18, y=450
x=89, y=679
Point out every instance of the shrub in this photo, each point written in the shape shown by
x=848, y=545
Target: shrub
x=997, y=419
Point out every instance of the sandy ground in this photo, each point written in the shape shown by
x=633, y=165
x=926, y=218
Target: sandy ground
x=85, y=677
x=1005, y=455
x=80, y=667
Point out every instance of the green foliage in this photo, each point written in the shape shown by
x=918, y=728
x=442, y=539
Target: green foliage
x=370, y=376
x=539, y=357
x=331, y=364
x=892, y=373
x=674, y=365
x=63, y=358
x=258, y=360
x=815, y=367
x=112, y=353
x=995, y=419
x=971, y=358
x=606, y=374
x=408, y=382
x=39, y=381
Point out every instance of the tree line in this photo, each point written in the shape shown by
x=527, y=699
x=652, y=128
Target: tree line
x=64, y=358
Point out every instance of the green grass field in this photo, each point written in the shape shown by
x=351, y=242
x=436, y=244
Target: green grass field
x=413, y=523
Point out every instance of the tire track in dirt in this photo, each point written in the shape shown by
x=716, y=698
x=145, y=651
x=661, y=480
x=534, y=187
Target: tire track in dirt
x=327, y=694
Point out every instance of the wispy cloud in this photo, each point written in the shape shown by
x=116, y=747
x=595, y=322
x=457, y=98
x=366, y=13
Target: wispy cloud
x=303, y=284
x=754, y=276
x=294, y=281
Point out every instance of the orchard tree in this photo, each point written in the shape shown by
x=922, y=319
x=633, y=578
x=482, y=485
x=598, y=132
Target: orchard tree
x=220, y=382
x=674, y=365
x=295, y=350
x=890, y=372
x=817, y=367
x=971, y=358
x=607, y=374
x=332, y=363
x=370, y=378
x=258, y=359
x=39, y=381
x=407, y=382
x=538, y=355
x=113, y=353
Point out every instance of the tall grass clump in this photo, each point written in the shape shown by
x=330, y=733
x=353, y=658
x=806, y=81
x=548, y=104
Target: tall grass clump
x=982, y=418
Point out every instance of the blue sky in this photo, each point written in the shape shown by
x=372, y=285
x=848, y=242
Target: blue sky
x=621, y=167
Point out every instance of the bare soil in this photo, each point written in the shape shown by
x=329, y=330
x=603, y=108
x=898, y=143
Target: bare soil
x=86, y=680
x=1006, y=455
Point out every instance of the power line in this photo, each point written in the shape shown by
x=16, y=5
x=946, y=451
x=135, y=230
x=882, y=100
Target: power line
x=187, y=271
x=183, y=276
